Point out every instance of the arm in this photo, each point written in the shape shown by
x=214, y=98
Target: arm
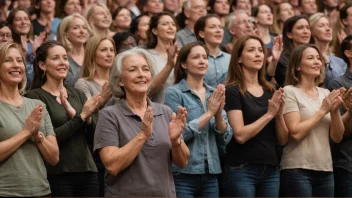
x=160, y=79
x=180, y=154
x=49, y=149
x=347, y=120
x=9, y=146
x=281, y=130
x=272, y=67
x=336, y=126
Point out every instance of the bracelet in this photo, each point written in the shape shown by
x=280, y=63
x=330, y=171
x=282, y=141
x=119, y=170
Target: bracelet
x=180, y=142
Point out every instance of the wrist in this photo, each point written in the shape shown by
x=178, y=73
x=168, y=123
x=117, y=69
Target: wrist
x=176, y=143
x=269, y=115
x=39, y=137
x=142, y=135
x=84, y=116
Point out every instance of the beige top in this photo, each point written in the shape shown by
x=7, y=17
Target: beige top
x=313, y=151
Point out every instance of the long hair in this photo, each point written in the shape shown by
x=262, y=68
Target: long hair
x=10, y=19
x=288, y=27
x=235, y=73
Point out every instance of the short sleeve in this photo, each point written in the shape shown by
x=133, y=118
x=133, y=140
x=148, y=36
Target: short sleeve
x=83, y=86
x=233, y=99
x=107, y=130
x=49, y=129
x=291, y=102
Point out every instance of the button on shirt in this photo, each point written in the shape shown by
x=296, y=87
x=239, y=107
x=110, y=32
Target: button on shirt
x=217, y=69
x=185, y=36
x=203, y=144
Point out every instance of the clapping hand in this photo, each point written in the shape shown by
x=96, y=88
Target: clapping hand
x=276, y=103
x=33, y=121
x=105, y=94
x=172, y=53
x=277, y=48
x=147, y=122
x=347, y=99
x=90, y=107
x=216, y=101
x=69, y=109
x=332, y=101
x=177, y=125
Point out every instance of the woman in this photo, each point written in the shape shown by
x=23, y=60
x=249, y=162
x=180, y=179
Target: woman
x=68, y=7
x=162, y=49
x=254, y=110
x=282, y=12
x=124, y=41
x=22, y=33
x=70, y=112
x=296, y=31
x=99, y=17
x=139, y=27
x=313, y=119
x=131, y=135
x=45, y=20
x=27, y=138
x=263, y=21
x=206, y=123
x=121, y=20
x=219, y=7
x=343, y=27
x=74, y=32
x=322, y=36
x=208, y=29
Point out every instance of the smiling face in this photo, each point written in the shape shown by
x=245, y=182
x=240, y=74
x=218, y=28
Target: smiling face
x=77, y=31
x=105, y=53
x=56, y=64
x=311, y=63
x=73, y=6
x=123, y=19
x=221, y=7
x=12, y=70
x=252, y=57
x=101, y=17
x=213, y=32
x=47, y=6
x=21, y=23
x=166, y=29
x=322, y=30
x=300, y=32
x=197, y=10
x=197, y=62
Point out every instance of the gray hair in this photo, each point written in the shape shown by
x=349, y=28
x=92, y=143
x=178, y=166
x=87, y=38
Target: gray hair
x=117, y=67
x=187, y=4
x=231, y=18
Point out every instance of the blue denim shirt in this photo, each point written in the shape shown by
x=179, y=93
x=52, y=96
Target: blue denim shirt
x=217, y=69
x=335, y=67
x=203, y=144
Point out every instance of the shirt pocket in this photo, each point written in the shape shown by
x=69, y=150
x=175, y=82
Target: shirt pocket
x=194, y=111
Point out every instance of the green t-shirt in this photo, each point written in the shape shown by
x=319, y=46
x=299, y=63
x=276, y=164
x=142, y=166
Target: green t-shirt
x=24, y=172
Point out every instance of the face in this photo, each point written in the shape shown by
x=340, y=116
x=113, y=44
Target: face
x=5, y=34
x=56, y=64
x=322, y=30
x=300, y=32
x=213, y=32
x=77, y=31
x=47, y=6
x=12, y=70
x=243, y=5
x=252, y=57
x=166, y=29
x=123, y=19
x=294, y=2
x=309, y=7
x=265, y=16
x=101, y=17
x=242, y=27
x=24, y=3
x=348, y=21
x=104, y=56
x=331, y=3
x=129, y=43
x=154, y=6
x=197, y=62
x=171, y=5
x=197, y=10
x=221, y=7
x=136, y=76
x=286, y=11
x=21, y=23
x=311, y=63
x=143, y=27
x=73, y=6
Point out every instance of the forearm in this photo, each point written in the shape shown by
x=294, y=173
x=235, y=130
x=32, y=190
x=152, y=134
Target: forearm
x=160, y=79
x=271, y=69
x=49, y=150
x=9, y=146
x=337, y=128
x=220, y=123
x=281, y=130
x=347, y=120
x=180, y=154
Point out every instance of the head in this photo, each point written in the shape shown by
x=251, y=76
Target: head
x=248, y=55
x=208, y=29
x=20, y=24
x=320, y=27
x=46, y=6
x=99, y=52
x=68, y=7
x=305, y=60
x=140, y=26
x=239, y=24
x=5, y=32
x=296, y=31
x=25, y=4
x=191, y=60
x=171, y=6
x=98, y=15
x=12, y=66
x=242, y=5
x=308, y=7
x=346, y=48
x=125, y=41
x=121, y=19
x=330, y=4
x=131, y=73
x=282, y=12
x=161, y=27
x=263, y=15
x=51, y=62
x=153, y=7
x=346, y=15
x=194, y=9
x=73, y=30
x=220, y=7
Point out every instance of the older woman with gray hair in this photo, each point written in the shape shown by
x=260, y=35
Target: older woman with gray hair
x=131, y=135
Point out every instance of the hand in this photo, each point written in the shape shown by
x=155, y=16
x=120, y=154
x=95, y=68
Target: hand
x=277, y=48
x=69, y=109
x=90, y=106
x=172, y=53
x=177, y=125
x=38, y=40
x=347, y=99
x=32, y=123
x=147, y=122
x=282, y=104
x=341, y=35
x=222, y=104
x=105, y=94
x=215, y=100
x=275, y=103
x=329, y=101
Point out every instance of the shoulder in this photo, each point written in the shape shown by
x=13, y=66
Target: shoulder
x=174, y=88
x=232, y=88
x=82, y=82
x=33, y=102
x=337, y=59
x=35, y=93
x=323, y=90
x=289, y=88
x=75, y=92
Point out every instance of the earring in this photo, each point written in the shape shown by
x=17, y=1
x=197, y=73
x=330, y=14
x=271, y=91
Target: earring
x=298, y=68
x=43, y=74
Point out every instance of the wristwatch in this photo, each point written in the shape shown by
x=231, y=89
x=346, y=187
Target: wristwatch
x=41, y=137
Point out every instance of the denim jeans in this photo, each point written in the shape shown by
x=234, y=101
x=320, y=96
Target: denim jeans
x=307, y=183
x=252, y=180
x=197, y=185
x=343, y=183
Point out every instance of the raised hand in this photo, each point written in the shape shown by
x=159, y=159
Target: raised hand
x=329, y=100
x=221, y=88
x=277, y=48
x=38, y=40
x=172, y=53
x=216, y=99
x=275, y=106
x=69, y=109
x=105, y=94
x=32, y=123
x=347, y=99
x=90, y=106
x=177, y=124
x=147, y=122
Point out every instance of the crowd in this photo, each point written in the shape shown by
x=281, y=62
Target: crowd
x=175, y=98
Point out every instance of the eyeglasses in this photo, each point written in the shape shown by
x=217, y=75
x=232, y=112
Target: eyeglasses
x=8, y=35
x=199, y=7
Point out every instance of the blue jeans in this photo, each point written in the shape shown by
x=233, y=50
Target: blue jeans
x=343, y=183
x=252, y=180
x=307, y=183
x=204, y=185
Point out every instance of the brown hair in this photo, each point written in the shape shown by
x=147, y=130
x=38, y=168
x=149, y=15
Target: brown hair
x=10, y=19
x=201, y=24
x=235, y=74
x=293, y=76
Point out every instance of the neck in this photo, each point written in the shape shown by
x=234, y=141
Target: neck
x=77, y=50
x=250, y=78
x=102, y=74
x=136, y=102
x=264, y=30
x=162, y=46
x=9, y=93
x=222, y=19
x=323, y=46
x=213, y=49
x=190, y=26
x=53, y=86
x=47, y=16
x=306, y=83
x=330, y=9
x=195, y=82
x=120, y=30
x=101, y=31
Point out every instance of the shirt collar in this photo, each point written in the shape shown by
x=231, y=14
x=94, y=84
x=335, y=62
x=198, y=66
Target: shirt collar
x=221, y=53
x=128, y=112
x=188, y=32
x=184, y=87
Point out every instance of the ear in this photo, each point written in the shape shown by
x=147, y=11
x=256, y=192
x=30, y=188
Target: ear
x=121, y=83
x=348, y=53
x=239, y=61
x=289, y=35
x=183, y=66
x=187, y=13
x=201, y=34
x=344, y=21
x=145, y=9
x=154, y=32
x=42, y=66
x=232, y=31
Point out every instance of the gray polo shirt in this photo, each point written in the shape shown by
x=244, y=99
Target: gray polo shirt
x=149, y=175
x=185, y=36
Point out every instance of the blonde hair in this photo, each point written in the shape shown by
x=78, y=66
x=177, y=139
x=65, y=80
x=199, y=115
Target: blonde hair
x=63, y=27
x=4, y=49
x=89, y=13
x=89, y=62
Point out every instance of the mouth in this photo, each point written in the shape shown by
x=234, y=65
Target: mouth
x=141, y=82
x=15, y=73
x=258, y=61
x=62, y=69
